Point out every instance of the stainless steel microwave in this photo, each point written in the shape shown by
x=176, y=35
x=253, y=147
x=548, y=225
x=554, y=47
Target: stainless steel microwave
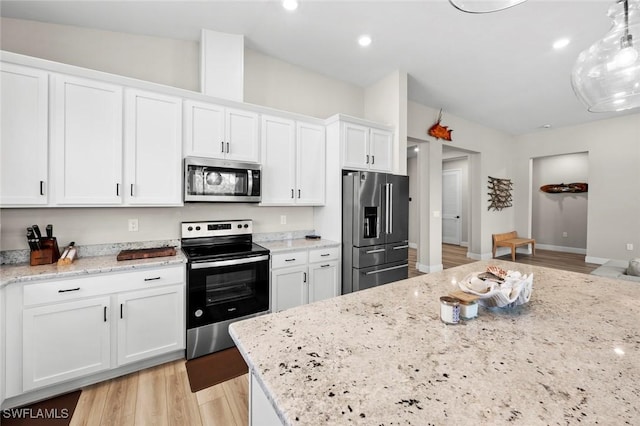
x=212, y=180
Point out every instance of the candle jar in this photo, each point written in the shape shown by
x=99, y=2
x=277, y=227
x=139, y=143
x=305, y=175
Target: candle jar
x=449, y=310
x=468, y=310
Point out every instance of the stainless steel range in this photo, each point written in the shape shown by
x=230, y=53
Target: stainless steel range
x=227, y=281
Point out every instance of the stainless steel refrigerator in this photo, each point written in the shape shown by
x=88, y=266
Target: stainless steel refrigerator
x=375, y=229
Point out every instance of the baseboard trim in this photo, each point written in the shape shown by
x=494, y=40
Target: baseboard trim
x=428, y=269
x=597, y=260
x=413, y=245
x=563, y=249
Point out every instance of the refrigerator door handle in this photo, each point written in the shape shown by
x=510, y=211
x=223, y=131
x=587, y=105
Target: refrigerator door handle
x=387, y=269
x=386, y=208
x=390, y=208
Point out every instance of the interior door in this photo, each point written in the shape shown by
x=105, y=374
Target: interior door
x=451, y=206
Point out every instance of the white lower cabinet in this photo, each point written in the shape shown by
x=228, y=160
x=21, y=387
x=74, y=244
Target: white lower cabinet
x=150, y=323
x=71, y=327
x=261, y=412
x=306, y=276
x=65, y=341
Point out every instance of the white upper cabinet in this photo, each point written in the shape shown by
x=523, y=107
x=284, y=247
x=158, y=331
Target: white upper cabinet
x=293, y=162
x=24, y=136
x=366, y=148
x=87, y=142
x=311, y=164
x=278, y=160
x=153, y=149
x=215, y=131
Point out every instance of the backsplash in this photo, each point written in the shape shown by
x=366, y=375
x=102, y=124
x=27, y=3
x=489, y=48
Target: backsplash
x=10, y=257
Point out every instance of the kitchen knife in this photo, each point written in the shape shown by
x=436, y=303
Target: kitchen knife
x=30, y=239
x=36, y=230
x=49, y=230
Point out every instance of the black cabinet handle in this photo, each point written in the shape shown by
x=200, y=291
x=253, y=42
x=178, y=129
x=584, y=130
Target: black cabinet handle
x=69, y=289
x=227, y=147
x=325, y=255
x=121, y=311
x=132, y=190
x=105, y=314
x=222, y=146
x=152, y=279
x=290, y=260
x=298, y=193
x=367, y=158
x=41, y=187
x=373, y=159
x=117, y=189
x=304, y=280
x=291, y=192
x=324, y=266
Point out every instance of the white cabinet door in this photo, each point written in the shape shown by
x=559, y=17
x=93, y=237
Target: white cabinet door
x=65, y=341
x=380, y=149
x=214, y=131
x=153, y=149
x=278, y=161
x=310, y=161
x=242, y=136
x=204, y=130
x=24, y=113
x=87, y=142
x=355, y=146
x=323, y=281
x=150, y=323
x=290, y=288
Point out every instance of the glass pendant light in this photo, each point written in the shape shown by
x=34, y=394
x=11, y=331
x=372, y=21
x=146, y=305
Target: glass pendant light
x=606, y=76
x=483, y=6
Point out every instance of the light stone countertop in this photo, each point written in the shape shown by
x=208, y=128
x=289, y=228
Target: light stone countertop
x=382, y=356
x=296, y=244
x=82, y=266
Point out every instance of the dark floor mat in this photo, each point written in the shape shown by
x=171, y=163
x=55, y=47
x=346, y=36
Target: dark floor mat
x=50, y=412
x=209, y=370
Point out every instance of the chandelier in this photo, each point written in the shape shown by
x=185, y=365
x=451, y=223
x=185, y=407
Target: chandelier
x=606, y=76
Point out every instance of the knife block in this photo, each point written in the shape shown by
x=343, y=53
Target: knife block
x=49, y=253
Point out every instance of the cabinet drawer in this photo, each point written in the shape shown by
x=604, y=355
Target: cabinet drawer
x=324, y=254
x=295, y=258
x=99, y=284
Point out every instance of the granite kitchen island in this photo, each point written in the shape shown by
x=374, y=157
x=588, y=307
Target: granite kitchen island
x=383, y=357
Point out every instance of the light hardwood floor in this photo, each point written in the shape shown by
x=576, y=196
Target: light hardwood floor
x=161, y=395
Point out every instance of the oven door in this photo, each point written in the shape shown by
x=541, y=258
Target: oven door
x=227, y=289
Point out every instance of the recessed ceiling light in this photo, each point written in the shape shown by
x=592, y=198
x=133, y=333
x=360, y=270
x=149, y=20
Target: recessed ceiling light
x=364, y=40
x=546, y=126
x=559, y=44
x=290, y=4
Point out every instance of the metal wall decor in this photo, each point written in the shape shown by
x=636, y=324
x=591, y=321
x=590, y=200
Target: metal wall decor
x=499, y=193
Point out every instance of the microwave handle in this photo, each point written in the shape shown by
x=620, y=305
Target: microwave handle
x=250, y=182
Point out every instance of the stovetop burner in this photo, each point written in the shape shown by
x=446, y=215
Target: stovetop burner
x=215, y=240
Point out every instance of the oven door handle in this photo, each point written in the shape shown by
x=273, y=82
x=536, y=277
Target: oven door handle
x=231, y=262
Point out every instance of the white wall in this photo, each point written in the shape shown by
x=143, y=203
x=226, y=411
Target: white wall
x=555, y=214
x=269, y=82
x=386, y=102
x=613, y=214
x=490, y=155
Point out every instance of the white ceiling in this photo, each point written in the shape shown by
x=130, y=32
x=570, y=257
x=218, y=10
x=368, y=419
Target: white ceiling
x=496, y=69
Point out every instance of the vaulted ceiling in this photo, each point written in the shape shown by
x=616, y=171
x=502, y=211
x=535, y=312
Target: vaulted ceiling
x=496, y=69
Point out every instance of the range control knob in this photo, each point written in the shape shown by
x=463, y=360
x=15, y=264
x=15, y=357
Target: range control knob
x=197, y=228
x=190, y=228
x=246, y=225
x=198, y=313
x=239, y=226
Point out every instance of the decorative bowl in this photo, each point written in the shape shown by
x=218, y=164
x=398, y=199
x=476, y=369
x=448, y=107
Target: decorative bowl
x=511, y=290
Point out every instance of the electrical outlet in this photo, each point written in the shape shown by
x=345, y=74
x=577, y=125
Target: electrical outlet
x=565, y=235
x=133, y=225
x=283, y=220
x=629, y=246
